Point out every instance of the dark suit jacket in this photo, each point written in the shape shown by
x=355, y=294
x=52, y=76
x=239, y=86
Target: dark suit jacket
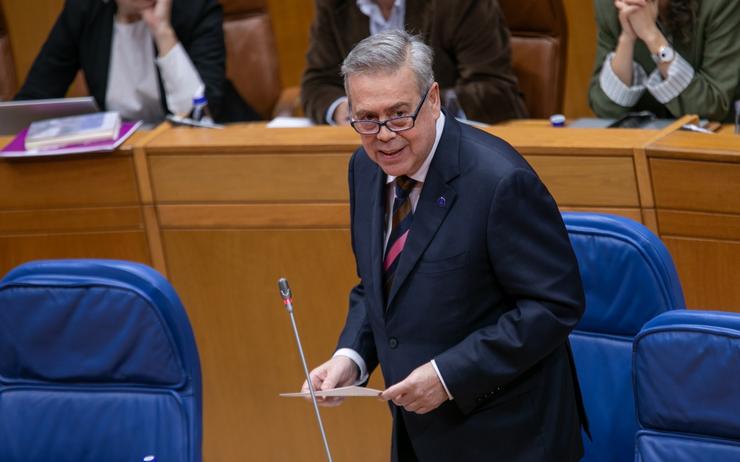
x=472, y=54
x=488, y=286
x=81, y=39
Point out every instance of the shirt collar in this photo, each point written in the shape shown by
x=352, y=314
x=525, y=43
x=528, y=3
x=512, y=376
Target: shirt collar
x=371, y=9
x=421, y=174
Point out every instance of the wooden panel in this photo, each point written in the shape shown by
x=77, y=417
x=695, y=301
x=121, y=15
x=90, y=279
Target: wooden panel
x=291, y=21
x=18, y=249
x=696, y=185
x=697, y=224
x=535, y=139
x=254, y=215
x=65, y=182
x=269, y=177
x=708, y=271
x=581, y=53
x=588, y=181
x=723, y=147
x=98, y=219
x=228, y=283
x=254, y=138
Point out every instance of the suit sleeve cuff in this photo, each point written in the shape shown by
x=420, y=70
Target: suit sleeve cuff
x=357, y=359
x=616, y=90
x=332, y=108
x=441, y=379
x=680, y=74
x=180, y=80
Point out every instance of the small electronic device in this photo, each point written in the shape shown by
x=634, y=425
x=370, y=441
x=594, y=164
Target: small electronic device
x=17, y=115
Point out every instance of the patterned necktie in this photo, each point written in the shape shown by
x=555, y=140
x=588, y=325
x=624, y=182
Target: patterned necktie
x=400, y=226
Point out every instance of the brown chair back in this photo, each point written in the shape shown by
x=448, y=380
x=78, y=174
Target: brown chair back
x=539, y=39
x=251, y=54
x=7, y=68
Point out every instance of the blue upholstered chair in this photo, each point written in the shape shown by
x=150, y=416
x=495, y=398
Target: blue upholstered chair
x=97, y=363
x=687, y=387
x=629, y=278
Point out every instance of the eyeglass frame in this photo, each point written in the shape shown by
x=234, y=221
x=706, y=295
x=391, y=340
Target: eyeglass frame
x=385, y=122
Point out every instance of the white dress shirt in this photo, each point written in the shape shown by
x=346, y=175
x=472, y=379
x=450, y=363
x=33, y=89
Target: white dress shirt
x=133, y=88
x=420, y=175
x=680, y=74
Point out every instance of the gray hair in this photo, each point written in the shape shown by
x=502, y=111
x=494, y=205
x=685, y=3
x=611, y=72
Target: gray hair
x=389, y=51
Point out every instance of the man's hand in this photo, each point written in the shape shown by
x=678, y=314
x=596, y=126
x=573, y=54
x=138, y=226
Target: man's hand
x=341, y=113
x=420, y=392
x=339, y=371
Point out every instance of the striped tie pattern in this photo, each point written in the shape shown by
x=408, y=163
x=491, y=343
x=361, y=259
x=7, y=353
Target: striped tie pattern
x=400, y=226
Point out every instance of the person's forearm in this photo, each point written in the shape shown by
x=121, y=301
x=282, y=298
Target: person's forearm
x=622, y=61
x=165, y=39
x=655, y=42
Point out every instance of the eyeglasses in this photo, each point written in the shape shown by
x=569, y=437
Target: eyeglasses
x=394, y=124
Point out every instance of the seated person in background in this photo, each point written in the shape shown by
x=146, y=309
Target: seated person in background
x=685, y=53
x=142, y=58
x=472, y=55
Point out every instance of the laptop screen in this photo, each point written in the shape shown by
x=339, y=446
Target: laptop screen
x=17, y=115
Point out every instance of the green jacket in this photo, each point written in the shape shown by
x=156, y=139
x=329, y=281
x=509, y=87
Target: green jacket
x=713, y=50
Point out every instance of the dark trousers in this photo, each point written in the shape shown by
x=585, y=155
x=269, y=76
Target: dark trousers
x=402, y=443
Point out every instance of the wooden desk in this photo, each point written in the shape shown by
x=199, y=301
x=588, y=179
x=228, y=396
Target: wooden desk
x=63, y=207
x=697, y=195
x=226, y=213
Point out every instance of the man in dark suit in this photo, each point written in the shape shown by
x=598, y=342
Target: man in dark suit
x=469, y=286
x=470, y=41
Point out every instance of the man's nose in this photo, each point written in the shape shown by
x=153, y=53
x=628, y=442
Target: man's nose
x=385, y=135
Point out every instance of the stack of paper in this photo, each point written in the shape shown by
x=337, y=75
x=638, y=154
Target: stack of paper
x=81, y=129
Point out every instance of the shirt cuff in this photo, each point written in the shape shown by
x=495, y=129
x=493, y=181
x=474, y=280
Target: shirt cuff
x=180, y=80
x=680, y=74
x=616, y=90
x=332, y=108
x=436, y=369
x=357, y=359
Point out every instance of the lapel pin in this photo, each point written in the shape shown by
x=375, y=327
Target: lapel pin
x=441, y=201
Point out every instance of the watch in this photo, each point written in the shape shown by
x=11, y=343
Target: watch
x=665, y=55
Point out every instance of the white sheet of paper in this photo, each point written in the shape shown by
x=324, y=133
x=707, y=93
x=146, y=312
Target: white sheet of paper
x=336, y=392
x=290, y=122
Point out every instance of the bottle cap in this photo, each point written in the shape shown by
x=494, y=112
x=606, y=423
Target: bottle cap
x=557, y=120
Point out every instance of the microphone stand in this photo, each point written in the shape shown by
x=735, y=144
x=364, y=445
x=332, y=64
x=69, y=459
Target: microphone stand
x=287, y=297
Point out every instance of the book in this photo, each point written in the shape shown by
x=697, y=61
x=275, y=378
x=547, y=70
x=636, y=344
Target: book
x=16, y=147
x=80, y=129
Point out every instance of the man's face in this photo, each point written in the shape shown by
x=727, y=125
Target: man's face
x=382, y=96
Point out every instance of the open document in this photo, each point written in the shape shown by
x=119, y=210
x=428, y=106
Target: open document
x=337, y=392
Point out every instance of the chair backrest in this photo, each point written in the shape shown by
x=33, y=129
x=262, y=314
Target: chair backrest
x=251, y=53
x=539, y=39
x=628, y=278
x=97, y=362
x=686, y=374
x=7, y=68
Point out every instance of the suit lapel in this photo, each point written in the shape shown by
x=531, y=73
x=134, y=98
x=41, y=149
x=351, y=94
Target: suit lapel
x=377, y=227
x=437, y=198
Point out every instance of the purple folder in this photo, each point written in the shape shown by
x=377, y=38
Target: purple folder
x=16, y=148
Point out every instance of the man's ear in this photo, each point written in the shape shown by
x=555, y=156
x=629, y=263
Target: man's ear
x=434, y=100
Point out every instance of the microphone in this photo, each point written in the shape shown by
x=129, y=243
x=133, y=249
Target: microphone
x=287, y=297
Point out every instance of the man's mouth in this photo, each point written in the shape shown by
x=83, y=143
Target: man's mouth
x=390, y=152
